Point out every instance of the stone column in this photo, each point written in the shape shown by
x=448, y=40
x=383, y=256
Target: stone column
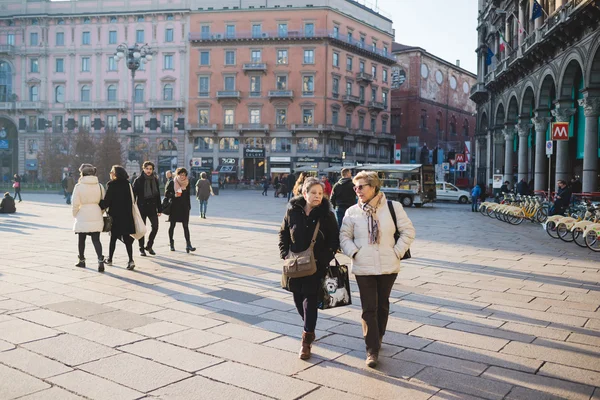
x=509, y=135
x=488, y=173
x=498, y=150
x=562, y=113
x=523, y=130
x=591, y=108
x=540, y=122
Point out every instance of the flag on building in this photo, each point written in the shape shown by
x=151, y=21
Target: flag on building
x=502, y=42
x=489, y=56
x=537, y=10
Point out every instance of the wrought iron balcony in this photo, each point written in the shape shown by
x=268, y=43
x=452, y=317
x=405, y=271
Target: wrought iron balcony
x=288, y=94
x=29, y=105
x=166, y=104
x=255, y=66
x=376, y=105
x=351, y=99
x=228, y=94
x=364, y=77
x=253, y=127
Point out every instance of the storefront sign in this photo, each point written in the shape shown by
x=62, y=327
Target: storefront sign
x=195, y=162
x=254, y=153
x=207, y=162
x=310, y=159
x=228, y=161
x=280, y=170
x=335, y=160
x=280, y=159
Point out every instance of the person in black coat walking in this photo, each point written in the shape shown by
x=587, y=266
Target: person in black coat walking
x=119, y=202
x=291, y=181
x=17, y=187
x=147, y=195
x=178, y=190
x=343, y=195
x=297, y=230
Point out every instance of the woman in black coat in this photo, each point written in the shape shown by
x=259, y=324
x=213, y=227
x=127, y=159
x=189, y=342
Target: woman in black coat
x=178, y=190
x=297, y=230
x=119, y=202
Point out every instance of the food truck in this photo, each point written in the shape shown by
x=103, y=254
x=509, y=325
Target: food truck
x=407, y=183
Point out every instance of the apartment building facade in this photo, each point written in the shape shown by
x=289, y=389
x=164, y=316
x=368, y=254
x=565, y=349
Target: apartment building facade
x=274, y=89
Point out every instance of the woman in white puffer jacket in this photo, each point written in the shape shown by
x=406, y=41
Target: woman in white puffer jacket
x=367, y=236
x=87, y=212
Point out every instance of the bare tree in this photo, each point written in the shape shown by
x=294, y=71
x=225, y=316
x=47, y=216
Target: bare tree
x=83, y=149
x=52, y=158
x=108, y=153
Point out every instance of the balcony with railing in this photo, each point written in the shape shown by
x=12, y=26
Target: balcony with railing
x=479, y=93
x=385, y=135
x=364, y=77
x=337, y=128
x=166, y=104
x=253, y=127
x=202, y=127
x=317, y=34
x=376, y=105
x=29, y=105
x=229, y=94
x=6, y=106
x=7, y=49
x=80, y=105
x=305, y=127
x=287, y=94
x=364, y=133
x=350, y=99
x=111, y=105
x=254, y=67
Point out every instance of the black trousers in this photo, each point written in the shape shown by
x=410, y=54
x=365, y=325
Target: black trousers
x=186, y=230
x=307, y=308
x=95, y=241
x=153, y=217
x=375, y=300
x=128, y=240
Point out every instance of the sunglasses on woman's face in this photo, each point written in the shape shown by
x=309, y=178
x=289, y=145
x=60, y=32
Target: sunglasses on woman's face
x=359, y=188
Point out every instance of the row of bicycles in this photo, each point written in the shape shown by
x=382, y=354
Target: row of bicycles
x=579, y=224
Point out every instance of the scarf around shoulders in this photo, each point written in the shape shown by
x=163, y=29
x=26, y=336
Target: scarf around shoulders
x=150, y=187
x=181, y=183
x=370, y=209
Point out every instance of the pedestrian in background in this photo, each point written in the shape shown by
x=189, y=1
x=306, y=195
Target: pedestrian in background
x=296, y=233
x=368, y=236
x=297, y=188
x=475, y=194
x=133, y=177
x=147, y=195
x=168, y=177
x=69, y=187
x=522, y=187
x=265, y=185
x=178, y=190
x=7, y=205
x=87, y=211
x=326, y=186
x=275, y=186
x=291, y=182
x=343, y=195
x=119, y=202
x=203, y=193
x=17, y=186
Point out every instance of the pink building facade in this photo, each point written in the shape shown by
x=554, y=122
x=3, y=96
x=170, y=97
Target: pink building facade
x=273, y=90
x=58, y=74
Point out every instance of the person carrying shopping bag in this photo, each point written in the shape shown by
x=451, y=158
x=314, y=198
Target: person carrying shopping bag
x=368, y=236
x=308, y=219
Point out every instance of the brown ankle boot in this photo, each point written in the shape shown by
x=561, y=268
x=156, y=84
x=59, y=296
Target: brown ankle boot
x=307, y=339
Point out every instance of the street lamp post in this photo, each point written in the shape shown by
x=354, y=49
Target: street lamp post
x=135, y=56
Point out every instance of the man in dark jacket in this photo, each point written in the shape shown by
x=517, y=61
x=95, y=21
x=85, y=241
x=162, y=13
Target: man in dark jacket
x=522, y=187
x=563, y=198
x=7, y=205
x=504, y=188
x=291, y=181
x=70, y=186
x=343, y=195
x=147, y=195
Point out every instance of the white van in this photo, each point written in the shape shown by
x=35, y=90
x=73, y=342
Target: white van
x=447, y=191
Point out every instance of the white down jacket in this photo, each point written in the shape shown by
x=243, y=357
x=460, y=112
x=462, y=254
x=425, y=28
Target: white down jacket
x=86, y=209
x=376, y=259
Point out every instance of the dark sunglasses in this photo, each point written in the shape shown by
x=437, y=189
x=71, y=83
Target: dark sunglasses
x=359, y=188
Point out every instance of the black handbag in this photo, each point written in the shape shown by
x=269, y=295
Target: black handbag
x=406, y=255
x=166, y=206
x=108, y=221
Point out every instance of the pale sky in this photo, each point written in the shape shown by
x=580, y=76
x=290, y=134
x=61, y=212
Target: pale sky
x=445, y=28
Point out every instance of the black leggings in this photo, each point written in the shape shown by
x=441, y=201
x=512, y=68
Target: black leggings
x=128, y=240
x=186, y=230
x=307, y=308
x=95, y=241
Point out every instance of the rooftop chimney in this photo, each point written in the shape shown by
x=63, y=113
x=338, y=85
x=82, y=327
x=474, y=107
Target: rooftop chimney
x=458, y=63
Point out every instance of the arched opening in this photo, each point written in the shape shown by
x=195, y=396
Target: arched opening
x=167, y=145
x=527, y=112
x=572, y=83
x=545, y=103
x=9, y=149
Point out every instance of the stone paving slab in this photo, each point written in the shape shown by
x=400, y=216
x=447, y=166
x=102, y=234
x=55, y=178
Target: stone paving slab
x=15, y=383
x=513, y=314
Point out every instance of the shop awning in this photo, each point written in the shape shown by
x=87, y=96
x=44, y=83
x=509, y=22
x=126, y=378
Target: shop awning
x=337, y=168
x=391, y=167
x=227, y=169
x=306, y=169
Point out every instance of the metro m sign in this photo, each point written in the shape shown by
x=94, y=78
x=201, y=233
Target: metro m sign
x=560, y=131
x=460, y=158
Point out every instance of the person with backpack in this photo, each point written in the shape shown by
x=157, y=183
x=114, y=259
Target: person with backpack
x=375, y=234
x=343, y=195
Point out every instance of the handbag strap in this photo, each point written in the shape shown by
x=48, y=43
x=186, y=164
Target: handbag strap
x=393, y=212
x=314, y=238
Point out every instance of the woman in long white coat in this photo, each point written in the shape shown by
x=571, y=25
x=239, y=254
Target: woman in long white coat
x=368, y=237
x=87, y=212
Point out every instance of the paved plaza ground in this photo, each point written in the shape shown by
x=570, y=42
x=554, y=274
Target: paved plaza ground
x=483, y=310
